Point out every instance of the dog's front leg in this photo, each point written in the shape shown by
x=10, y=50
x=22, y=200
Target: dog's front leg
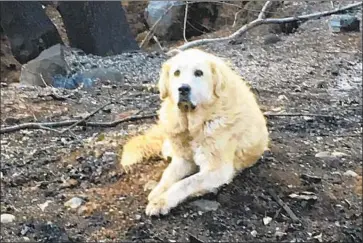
x=176, y=170
x=199, y=183
x=215, y=170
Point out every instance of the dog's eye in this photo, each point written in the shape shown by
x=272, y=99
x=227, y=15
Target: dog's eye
x=198, y=73
x=177, y=73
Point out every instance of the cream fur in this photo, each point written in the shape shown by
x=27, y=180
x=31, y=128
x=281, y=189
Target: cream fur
x=225, y=134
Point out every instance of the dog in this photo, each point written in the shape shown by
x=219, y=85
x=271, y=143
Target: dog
x=209, y=124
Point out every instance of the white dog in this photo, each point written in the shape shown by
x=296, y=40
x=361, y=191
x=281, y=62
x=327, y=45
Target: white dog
x=209, y=119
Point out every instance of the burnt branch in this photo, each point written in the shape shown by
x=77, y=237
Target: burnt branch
x=260, y=21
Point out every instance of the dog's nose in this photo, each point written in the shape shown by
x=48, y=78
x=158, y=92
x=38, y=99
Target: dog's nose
x=184, y=89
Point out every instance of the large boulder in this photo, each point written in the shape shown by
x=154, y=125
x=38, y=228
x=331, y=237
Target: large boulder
x=98, y=28
x=28, y=29
x=56, y=67
x=201, y=18
x=42, y=70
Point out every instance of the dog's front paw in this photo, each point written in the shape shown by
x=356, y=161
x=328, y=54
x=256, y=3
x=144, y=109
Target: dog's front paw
x=158, y=206
x=156, y=192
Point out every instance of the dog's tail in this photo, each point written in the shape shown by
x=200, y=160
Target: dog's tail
x=143, y=147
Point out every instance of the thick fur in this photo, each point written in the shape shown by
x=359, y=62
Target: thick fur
x=143, y=147
x=223, y=135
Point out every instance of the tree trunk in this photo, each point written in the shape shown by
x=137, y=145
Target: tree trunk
x=28, y=29
x=96, y=27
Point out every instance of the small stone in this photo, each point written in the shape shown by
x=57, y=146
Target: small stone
x=254, y=233
x=322, y=154
x=137, y=216
x=206, y=205
x=350, y=173
x=74, y=203
x=279, y=234
x=305, y=195
x=326, y=154
x=7, y=218
x=25, y=230
x=267, y=220
x=109, y=156
x=338, y=154
x=310, y=178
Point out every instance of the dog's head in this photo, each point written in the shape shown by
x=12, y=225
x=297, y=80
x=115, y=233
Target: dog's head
x=192, y=78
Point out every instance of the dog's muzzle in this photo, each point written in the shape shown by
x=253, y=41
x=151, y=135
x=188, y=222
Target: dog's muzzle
x=184, y=102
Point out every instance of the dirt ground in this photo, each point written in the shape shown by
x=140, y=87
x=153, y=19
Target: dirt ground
x=312, y=78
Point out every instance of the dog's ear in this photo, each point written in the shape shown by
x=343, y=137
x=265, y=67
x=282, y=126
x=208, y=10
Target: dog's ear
x=219, y=77
x=164, y=81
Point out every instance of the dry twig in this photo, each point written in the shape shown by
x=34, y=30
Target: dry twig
x=284, y=206
x=158, y=43
x=260, y=21
x=185, y=21
x=264, y=9
x=235, y=17
x=86, y=117
x=298, y=114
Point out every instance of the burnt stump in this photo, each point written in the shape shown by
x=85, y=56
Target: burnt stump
x=98, y=28
x=28, y=29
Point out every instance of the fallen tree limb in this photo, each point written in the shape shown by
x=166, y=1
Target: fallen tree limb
x=86, y=117
x=49, y=125
x=260, y=21
x=84, y=123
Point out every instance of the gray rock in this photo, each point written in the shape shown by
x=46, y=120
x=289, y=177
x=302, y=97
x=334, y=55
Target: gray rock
x=350, y=173
x=7, y=218
x=206, y=205
x=344, y=23
x=41, y=69
x=74, y=203
x=201, y=18
x=156, y=9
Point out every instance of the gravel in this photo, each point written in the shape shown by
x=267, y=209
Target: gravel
x=306, y=72
x=134, y=67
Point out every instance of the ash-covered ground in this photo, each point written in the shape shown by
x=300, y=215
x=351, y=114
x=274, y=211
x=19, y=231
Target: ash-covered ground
x=69, y=187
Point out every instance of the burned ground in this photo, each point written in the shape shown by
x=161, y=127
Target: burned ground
x=312, y=166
